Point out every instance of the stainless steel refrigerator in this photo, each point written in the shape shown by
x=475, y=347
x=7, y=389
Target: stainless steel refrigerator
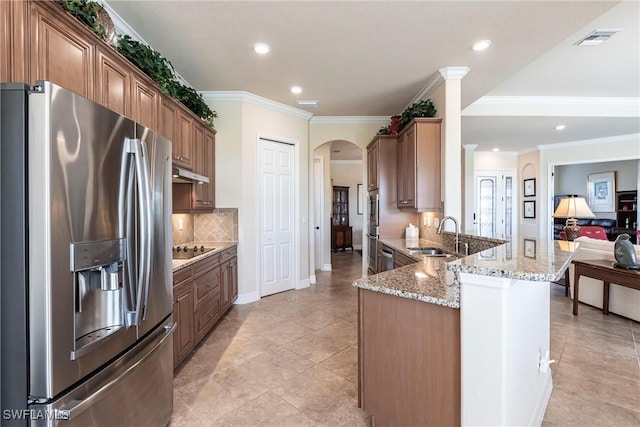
x=85, y=261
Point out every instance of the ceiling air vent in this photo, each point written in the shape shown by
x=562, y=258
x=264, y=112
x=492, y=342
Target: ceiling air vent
x=307, y=104
x=596, y=37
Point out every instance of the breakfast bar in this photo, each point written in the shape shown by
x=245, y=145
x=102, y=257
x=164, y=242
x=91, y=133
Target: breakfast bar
x=460, y=340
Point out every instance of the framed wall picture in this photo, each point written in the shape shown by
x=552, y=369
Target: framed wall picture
x=529, y=187
x=601, y=188
x=360, y=201
x=529, y=248
x=529, y=209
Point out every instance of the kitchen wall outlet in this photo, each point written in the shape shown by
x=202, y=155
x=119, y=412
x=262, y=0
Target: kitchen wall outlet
x=180, y=224
x=436, y=222
x=424, y=220
x=428, y=224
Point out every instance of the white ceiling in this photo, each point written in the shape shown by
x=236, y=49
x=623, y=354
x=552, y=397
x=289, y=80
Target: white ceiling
x=371, y=58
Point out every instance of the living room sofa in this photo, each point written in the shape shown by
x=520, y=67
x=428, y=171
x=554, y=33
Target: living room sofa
x=607, y=224
x=622, y=301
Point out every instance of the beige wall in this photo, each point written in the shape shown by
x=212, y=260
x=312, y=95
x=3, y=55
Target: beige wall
x=529, y=167
x=239, y=125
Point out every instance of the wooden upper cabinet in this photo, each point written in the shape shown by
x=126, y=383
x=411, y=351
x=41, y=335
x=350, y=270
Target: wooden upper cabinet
x=62, y=51
x=113, y=81
x=183, y=145
x=144, y=102
x=167, y=118
x=203, y=194
x=419, y=165
x=372, y=166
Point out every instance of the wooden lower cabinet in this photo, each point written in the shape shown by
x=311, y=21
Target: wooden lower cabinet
x=202, y=293
x=183, y=307
x=341, y=237
x=408, y=375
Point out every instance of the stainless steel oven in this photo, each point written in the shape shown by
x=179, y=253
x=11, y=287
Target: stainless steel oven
x=373, y=231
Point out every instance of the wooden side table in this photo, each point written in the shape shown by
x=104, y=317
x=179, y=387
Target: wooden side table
x=605, y=271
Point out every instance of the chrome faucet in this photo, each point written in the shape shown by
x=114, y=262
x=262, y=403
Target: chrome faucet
x=457, y=242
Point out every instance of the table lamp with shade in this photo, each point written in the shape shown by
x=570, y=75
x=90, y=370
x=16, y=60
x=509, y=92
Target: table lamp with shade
x=572, y=208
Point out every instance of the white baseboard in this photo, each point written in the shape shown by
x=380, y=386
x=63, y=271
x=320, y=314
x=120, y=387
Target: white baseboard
x=541, y=407
x=312, y=279
x=357, y=247
x=247, y=298
x=305, y=283
x=326, y=267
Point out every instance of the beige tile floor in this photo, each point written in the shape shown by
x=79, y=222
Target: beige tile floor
x=290, y=360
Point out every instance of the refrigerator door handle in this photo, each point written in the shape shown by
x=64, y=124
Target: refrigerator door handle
x=149, y=221
x=135, y=147
x=78, y=406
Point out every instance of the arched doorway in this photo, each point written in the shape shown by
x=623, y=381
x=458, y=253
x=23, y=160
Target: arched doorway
x=337, y=163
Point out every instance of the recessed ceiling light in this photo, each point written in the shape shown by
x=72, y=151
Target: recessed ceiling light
x=296, y=89
x=560, y=127
x=261, y=48
x=495, y=149
x=481, y=45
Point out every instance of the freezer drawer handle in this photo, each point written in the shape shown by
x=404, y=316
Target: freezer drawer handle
x=79, y=406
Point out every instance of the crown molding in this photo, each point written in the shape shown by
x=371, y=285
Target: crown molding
x=469, y=147
x=432, y=84
x=350, y=119
x=581, y=143
x=454, y=72
x=567, y=100
x=256, y=100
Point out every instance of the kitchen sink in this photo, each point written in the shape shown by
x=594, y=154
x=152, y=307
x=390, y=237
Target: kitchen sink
x=429, y=252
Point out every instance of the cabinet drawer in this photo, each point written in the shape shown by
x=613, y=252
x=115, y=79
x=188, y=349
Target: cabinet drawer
x=206, y=316
x=228, y=254
x=206, y=285
x=182, y=275
x=206, y=264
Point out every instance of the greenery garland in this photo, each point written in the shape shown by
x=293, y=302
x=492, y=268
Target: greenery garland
x=148, y=60
x=423, y=108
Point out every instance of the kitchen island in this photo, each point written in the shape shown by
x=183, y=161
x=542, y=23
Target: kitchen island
x=459, y=340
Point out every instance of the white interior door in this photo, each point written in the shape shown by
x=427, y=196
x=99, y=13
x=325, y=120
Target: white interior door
x=318, y=194
x=277, y=213
x=494, y=211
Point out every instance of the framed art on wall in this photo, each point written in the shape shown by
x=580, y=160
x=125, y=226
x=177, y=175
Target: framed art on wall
x=529, y=209
x=360, y=201
x=529, y=187
x=529, y=248
x=601, y=188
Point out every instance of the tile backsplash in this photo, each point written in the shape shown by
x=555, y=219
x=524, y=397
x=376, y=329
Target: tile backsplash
x=219, y=226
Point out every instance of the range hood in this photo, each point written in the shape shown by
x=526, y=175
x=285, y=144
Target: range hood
x=184, y=176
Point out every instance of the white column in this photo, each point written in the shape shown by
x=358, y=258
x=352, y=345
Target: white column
x=452, y=141
x=468, y=189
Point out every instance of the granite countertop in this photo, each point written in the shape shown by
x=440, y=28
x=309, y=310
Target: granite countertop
x=427, y=280
x=436, y=279
x=179, y=264
x=527, y=259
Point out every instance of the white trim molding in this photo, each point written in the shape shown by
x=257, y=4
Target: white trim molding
x=326, y=267
x=304, y=283
x=432, y=84
x=247, y=298
x=456, y=73
x=257, y=100
x=345, y=162
x=312, y=279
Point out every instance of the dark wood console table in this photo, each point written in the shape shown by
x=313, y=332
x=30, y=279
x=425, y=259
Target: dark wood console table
x=605, y=271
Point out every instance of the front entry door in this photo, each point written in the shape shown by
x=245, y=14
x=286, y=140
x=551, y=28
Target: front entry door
x=277, y=213
x=494, y=213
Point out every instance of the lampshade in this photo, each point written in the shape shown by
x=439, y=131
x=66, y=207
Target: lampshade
x=573, y=207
